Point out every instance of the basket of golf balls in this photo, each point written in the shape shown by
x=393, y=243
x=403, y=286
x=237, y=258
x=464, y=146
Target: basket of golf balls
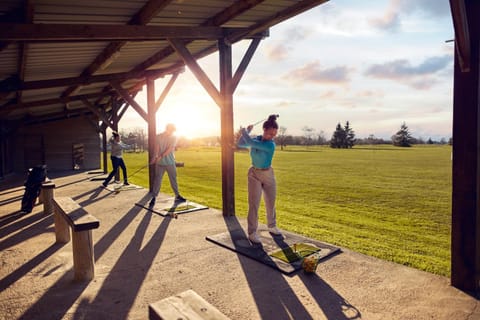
x=309, y=264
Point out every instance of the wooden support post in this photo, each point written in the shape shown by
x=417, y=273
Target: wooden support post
x=62, y=228
x=83, y=257
x=228, y=167
x=152, y=130
x=47, y=197
x=465, y=260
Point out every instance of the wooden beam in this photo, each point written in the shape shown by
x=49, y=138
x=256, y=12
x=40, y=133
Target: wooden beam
x=226, y=117
x=244, y=63
x=16, y=84
x=462, y=37
x=299, y=7
x=165, y=91
x=125, y=95
x=152, y=130
x=236, y=9
x=109, y=54
x=196, y=70
x=101, y=115
x=465, y=230
x=5, y=109
x=101, y=32
x=23, y=49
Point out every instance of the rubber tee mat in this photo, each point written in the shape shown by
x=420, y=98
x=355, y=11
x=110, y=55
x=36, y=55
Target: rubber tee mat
x=284, y=253
x=167, y=207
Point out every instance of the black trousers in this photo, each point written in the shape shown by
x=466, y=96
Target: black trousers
x=117, y=162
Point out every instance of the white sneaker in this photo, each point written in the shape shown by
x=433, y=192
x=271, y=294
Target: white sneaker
x=253, y=237
x=275, y=231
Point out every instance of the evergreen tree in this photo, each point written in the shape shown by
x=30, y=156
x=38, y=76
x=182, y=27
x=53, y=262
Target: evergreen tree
x=402, y=138
x=338, y=137
x=343, y=137
x=349, y=136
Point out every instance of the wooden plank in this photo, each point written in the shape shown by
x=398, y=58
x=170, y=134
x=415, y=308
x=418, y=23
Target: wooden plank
x=186, y=305
x=100, y=32
x=78, y=218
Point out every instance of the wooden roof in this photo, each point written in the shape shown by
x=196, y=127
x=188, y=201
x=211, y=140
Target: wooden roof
x=59, y=58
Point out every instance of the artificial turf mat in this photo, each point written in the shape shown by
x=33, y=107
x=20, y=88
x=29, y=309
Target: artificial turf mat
x=165, y=207
x=295, y=252
x=268, y=252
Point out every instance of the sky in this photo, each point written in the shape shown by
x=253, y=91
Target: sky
x=376, y=64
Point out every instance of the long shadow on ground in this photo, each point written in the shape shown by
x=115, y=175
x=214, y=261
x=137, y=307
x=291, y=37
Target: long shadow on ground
x=117, y=292
x=50, y=305
x=275, y=298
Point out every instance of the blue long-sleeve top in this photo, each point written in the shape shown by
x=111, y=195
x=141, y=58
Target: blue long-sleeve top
x=261, y=151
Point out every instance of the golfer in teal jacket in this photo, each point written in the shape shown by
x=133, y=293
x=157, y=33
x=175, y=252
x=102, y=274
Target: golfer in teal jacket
x=261, y=177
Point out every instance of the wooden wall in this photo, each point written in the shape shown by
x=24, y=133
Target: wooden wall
x=53, y=144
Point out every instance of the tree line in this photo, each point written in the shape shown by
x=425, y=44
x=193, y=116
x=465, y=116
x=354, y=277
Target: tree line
x=343, y=136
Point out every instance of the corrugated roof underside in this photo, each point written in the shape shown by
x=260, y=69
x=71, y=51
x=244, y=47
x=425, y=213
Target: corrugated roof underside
x=58, y=60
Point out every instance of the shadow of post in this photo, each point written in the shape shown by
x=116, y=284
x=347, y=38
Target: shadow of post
x=71, y=291
x=120, y=290
x=29, y=266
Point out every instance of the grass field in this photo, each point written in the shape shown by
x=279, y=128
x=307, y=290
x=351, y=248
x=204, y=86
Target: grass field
x=387, y=202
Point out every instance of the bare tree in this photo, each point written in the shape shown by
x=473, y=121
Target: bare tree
x=308, y=133
x=281, y=138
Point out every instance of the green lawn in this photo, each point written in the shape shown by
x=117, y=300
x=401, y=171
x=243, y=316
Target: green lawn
x=387, y=202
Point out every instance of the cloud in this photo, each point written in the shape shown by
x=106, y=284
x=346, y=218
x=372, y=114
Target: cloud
x=415, y=76
x=312, y=72
x=391, y=21
x=278, y=52
x=298, y=33
x=433, y=8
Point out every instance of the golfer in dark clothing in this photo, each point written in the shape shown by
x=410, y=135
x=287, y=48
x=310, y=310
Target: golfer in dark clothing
x=117, y=160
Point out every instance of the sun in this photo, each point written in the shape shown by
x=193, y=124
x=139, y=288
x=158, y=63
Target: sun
x=190, y=120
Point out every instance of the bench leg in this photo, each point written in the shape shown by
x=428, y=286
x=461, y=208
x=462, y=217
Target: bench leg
x=47, y=200
x=62, y=228
x=41, y=196
x=83, y=258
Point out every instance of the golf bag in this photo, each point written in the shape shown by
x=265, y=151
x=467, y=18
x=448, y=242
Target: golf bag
x=33, y=185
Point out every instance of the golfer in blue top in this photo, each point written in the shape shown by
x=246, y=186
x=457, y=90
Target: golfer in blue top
x=261, y=177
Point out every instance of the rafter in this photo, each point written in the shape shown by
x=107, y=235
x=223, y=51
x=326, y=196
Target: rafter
x=5, y=109
x=234, y=10
x=126, y=95
x=12, y=84
x=283, y=15
x=142, y=17
x=196, y=69
x=101, y=32
x=101, y=115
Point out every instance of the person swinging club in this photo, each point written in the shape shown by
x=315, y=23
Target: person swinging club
x=261, y=177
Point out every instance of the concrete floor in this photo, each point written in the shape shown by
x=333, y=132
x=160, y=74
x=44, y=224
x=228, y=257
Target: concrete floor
x=141, y=258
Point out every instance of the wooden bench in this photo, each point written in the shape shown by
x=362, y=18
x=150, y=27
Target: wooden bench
x=186, y=305
x=69, y=214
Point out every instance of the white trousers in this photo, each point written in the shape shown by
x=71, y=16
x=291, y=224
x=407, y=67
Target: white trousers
x=172, y=176
x=261, y=181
